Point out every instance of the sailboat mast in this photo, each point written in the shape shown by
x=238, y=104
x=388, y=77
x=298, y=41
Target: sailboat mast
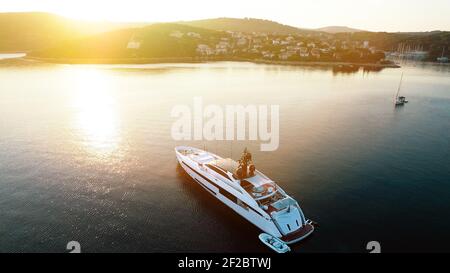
x=399, y=86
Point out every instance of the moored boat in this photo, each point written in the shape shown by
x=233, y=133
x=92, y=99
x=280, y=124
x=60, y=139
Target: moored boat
x=247, y=191
x=400, y=100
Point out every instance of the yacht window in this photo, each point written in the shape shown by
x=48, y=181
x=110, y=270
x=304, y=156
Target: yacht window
x=242, y=204
x=228, y=195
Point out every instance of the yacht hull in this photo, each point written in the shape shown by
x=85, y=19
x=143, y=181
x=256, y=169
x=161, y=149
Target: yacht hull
x=252, y=216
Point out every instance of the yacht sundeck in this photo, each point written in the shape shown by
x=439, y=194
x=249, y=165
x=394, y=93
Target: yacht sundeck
x=248, y=192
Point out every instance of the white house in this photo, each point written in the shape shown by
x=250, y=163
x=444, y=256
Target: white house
x=222, y=47
x=176, y=34
x=204, y=50
x=133, y=44
x=304, y=52
x=193, y=34
x=241, y=41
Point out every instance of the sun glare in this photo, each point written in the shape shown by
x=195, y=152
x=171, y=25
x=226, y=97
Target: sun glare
x=96, y=117
x=94, y=11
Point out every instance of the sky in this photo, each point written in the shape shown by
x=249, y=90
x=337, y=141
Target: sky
x=373, y=15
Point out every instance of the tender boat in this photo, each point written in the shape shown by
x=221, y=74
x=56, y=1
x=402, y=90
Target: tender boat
x=248, y=192
x=274, y=243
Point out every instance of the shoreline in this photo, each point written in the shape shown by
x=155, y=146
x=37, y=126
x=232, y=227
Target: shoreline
x=204, y=60
x=327, y=64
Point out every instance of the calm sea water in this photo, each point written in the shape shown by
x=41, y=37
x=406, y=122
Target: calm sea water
x=86, y=154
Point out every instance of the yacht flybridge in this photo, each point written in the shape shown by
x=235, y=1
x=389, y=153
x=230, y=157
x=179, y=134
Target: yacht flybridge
x=248, y=192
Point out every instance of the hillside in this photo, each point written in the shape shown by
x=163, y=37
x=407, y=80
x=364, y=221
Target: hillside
x=51, y=36
x=26, y=31
x=338, y=29
x=246, y=25
x=163, y=40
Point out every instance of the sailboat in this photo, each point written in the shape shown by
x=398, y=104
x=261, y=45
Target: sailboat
x=442, y=59
x=400, y=100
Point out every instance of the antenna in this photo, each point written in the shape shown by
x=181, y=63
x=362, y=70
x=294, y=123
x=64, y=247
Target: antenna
x=231, y=150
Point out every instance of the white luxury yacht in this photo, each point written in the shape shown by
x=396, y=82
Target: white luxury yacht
x=248, y=192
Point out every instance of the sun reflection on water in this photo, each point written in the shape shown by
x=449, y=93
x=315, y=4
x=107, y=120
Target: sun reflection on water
x=96, y=119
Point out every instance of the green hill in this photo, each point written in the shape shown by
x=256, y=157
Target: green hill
x=164, y=40
x=51, y=36
x=246, y=25
x=26, y=31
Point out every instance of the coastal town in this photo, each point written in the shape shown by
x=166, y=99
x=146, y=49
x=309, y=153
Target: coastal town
x=317, y=47
x=226, y=39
